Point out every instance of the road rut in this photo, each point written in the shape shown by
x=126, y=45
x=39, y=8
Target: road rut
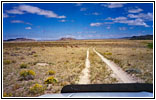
x=84, y=77
x=123, y=76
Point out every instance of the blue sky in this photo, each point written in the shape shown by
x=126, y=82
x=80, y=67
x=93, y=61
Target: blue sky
x=51, y=21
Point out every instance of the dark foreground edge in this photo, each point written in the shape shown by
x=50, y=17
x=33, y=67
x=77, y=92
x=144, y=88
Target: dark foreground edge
x=121, y=87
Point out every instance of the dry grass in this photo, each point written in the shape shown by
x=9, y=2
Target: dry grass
x=136, y=60
x=66, y=62
x=67, y=59
x=99, y=72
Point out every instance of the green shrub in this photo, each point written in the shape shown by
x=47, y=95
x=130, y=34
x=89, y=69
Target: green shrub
x=23, y=66
x=107, y=53
x=51, y=72
x=27, y=75
x=150, y=45
x=37, y=88
x=35, y=55
x=50, y=80
x=6, y=62
x=7, y=94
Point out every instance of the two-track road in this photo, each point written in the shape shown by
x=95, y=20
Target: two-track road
x=121, y=75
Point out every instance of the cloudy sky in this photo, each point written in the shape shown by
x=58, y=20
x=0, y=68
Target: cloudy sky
x=51, y=21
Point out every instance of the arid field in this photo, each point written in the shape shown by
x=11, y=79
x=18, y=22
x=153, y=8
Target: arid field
x=35, y=68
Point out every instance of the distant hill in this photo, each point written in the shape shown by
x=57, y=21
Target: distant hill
x=65, y=39
x=20, y=39
x=142, y=37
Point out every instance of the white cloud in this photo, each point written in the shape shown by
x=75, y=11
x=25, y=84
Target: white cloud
x=148, y=16
x=27, y=23
x=15, y=11
x=83, y=9
x=95, y=24
x=20, y=21
x=104, y=5
x=62, y=20
x=108, y=27
x=113, y=5
x=5, y=15
x=104, y=23
x=137, y=10
x=108, y=23
x=95, y=13
x=138, y=21
x=117, y=18
x=122, y=28
x=28, y=28
x=78, y=4
x=120, y=18
x=61, y=16
x=17, y=21
x=34, y=10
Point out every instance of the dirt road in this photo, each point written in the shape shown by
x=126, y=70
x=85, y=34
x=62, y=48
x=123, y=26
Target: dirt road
x=120, y=74
x=84, y=77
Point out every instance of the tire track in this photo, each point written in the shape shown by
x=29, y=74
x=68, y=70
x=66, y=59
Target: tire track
x=120, y=74
x=84, y=77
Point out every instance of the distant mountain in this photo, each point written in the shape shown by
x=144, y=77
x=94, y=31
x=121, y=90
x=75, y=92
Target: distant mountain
x=20, y=39
x=125, y=38
x=65, y=39
x=142, y=37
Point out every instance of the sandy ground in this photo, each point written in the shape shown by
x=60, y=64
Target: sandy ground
x=84, y=77
x=120, y=74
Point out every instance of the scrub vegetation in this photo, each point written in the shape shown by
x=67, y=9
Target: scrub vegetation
x=136, y=60
x=34, y=68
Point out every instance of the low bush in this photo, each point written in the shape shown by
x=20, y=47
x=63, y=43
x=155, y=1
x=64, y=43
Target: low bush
x=7, y=94
x=107, y=53
x=50, y=80
x=51, y=72
x=37, y=88
x=6, y=62
x=27, y=75
x=133, y=71
x=150, y=45
x=35, y=55
x=23, y=66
